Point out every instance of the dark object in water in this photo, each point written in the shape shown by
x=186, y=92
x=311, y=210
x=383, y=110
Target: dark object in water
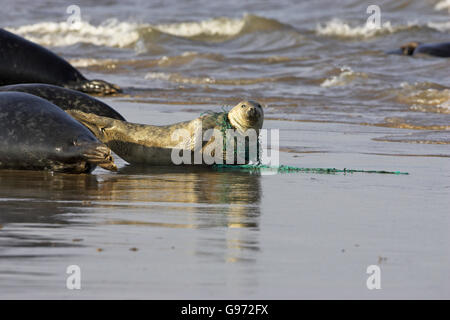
x=441, y=49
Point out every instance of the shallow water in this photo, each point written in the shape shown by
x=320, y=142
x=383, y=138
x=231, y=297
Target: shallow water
x=303, y=60
x=338, y=101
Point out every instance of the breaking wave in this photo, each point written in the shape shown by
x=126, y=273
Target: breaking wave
x=178, y=78
x=346, y=76
x=339, y=28
x=443, y=5
x=113, y=33
x=424, y=98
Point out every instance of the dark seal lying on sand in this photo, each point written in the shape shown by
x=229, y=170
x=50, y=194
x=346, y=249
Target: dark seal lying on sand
x=66, y=99
x=37, y=135
x=22, y=61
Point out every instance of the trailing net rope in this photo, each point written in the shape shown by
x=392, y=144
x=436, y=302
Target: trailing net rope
x=222, y=121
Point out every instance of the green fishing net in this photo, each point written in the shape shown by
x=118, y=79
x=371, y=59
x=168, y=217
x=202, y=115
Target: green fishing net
x=287, y=169
x=224, y=124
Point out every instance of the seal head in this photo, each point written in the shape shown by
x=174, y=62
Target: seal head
x=246, y=115
x=409, y=48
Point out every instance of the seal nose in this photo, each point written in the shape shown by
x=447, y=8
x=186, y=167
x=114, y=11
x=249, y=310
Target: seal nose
x=251, y=112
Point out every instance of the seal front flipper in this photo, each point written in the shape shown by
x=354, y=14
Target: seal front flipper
x=98, y=155
x=23, y=61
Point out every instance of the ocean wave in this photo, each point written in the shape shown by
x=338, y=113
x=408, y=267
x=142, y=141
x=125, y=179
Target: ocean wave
x=424, y=98
x=346, y=76
x=340, y=28
x=400, y=123
x=114, y=33
x=179, y=78
x=440, y=108
x=220, y=27
x=443, y=5
x=439, y=26
x=186, y=57
x=212, y=27
x=89, y=62
x=111, y=33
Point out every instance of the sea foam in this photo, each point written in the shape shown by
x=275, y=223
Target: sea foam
x=443, y=5
x=340, y=28
x=346, y=76
x=114, y=33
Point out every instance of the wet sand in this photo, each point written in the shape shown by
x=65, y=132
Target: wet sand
x=179, y=233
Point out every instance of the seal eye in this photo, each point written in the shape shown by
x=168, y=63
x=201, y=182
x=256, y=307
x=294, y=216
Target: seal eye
x=243, y=106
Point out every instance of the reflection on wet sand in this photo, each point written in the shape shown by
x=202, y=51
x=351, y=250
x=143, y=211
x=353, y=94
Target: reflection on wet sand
x=35, y=196
x=235, y=194
x=167, y=197
x=205, y=198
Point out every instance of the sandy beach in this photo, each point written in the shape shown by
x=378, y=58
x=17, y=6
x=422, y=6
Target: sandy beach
x=168, y=233
x=325, y=82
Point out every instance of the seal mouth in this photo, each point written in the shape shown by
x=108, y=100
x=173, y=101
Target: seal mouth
x=100, y=155
x=252, y=117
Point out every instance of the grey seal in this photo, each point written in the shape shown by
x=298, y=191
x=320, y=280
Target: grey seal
x=66, y=99
x=23, y=61
x=154, y=145
x=37, y=135
x=441, y=49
